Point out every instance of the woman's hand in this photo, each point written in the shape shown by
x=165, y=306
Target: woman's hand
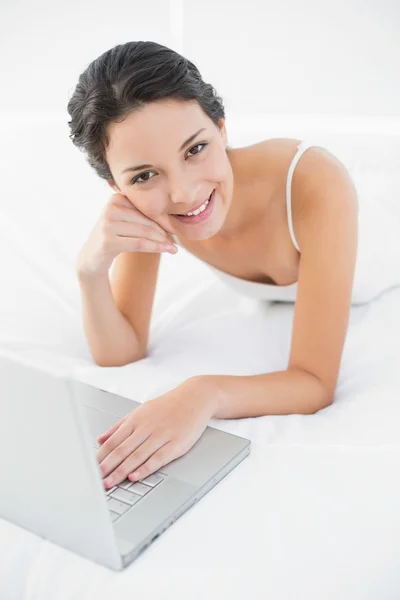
x=121, y=227
x=155, y=433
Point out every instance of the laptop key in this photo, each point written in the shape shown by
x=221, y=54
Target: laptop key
x=153, y=479
x=118, y=506
x=126, y=496
x=139, y=488
x=125, y=483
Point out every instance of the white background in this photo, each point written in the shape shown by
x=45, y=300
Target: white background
x=265, y=58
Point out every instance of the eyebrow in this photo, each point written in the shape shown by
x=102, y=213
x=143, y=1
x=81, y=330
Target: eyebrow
x=190, y=139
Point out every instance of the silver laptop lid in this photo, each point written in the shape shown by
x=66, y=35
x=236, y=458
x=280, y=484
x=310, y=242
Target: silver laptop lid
x=51, y=484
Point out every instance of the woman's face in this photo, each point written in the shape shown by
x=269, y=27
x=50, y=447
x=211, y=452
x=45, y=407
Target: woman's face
x=174, y=177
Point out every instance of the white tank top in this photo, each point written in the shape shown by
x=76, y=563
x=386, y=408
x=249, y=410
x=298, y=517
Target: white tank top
x=378, y=232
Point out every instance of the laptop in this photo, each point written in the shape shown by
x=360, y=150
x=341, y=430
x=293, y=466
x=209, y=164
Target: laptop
x=51, y=481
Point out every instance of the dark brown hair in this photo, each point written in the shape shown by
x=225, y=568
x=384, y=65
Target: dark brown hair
x=126, y=78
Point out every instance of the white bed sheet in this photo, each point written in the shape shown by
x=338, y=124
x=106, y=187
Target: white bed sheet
x=312, y=513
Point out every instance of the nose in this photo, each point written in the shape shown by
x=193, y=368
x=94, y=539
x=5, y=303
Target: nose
x=183, y=197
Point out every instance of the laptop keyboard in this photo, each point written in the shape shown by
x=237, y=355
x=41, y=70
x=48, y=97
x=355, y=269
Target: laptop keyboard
x=125, y=495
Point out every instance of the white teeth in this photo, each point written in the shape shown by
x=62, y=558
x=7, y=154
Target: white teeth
x=199, y=210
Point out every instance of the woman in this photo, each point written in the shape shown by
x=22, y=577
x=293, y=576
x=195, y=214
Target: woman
x=277, y=220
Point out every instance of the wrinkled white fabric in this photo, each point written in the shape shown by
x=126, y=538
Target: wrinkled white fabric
x=313, y=512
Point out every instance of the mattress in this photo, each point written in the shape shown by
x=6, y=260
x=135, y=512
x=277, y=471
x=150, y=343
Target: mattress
x=313, y=511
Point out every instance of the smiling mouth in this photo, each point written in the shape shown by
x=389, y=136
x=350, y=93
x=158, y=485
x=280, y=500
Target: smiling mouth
x=193, y=209
x=201, y=216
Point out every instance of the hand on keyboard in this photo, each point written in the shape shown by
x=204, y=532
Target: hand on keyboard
x=155, y=433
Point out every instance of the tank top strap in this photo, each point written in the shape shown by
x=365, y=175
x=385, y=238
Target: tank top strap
x=302, y=147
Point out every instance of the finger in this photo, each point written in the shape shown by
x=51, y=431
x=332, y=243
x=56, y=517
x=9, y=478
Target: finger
x=115, y=439
x=120, y=445
x=104, y=436
x=141, y=224
x=139, y=229
x=142, y=244
x=159, y=459
x=134, y=460
x=120, y=200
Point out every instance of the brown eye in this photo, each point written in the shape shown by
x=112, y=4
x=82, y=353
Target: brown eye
x=135, y=179
x=196, y=146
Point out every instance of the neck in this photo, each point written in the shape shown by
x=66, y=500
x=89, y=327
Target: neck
x=251, y=195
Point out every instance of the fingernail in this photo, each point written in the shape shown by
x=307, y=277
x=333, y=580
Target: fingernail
x=109, y=481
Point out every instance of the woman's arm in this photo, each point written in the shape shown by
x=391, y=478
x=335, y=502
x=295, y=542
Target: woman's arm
x=327, y=232
x=280, y=393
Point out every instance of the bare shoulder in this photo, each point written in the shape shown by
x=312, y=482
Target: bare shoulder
x=318, y=168
x=322, y=179
x=316, y=162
